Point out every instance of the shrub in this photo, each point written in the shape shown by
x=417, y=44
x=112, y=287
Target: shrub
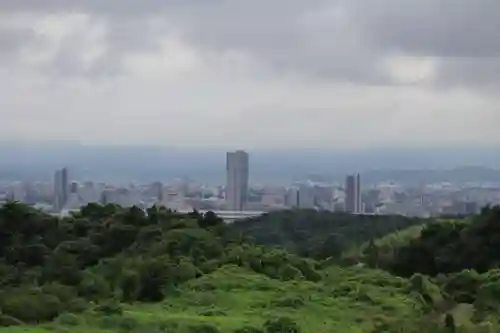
x=77, y=305
x=31, y=306
x=203, y=285
x=62, y=292
x=288, y=272
x=294, y=302
x=150, y=329
x=130, y=285
x=248, y=329
x=430, y=293
x=109, y=308
x=281, y=325
x=7, y=321
x=109, y=322
x=128, y=324
x=184, y=271
x=449, y=322
x=463, y=286
x=203, y=328
x=93, y=286
x=343, y=290
x=154, y=276
x=68, y=319
x=209, y=266
x=488, y=295
x=212, y=313
x=169, y=326
x=203, y=299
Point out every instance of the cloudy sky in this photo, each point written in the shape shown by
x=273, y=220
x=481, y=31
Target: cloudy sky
x=260, y=73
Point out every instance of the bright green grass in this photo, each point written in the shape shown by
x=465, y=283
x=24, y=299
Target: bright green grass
x=344, y=302
x=348, y=300
x=401, y=238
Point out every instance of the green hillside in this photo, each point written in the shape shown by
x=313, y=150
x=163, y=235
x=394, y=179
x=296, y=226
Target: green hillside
x=460, y=258
x=111, y=269
x=320, y=235
x=233, y=298
x=441, y=247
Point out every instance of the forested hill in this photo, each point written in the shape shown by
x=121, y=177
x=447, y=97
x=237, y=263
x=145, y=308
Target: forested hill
x=114, y=269
x=444, y=247
x=123, y=270
x=319, y=234
x=49, y=265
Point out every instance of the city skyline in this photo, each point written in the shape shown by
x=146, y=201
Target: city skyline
x=238, y=199
x=383, y=199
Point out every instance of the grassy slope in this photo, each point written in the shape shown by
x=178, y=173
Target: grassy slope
x=395, y=239
x=349, y=300
x=400, y=238
x=302, y=231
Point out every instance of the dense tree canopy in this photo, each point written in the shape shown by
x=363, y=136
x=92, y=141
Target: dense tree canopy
x=107, y=251
x=444, y=247
x=320, y=234
x=103, y=263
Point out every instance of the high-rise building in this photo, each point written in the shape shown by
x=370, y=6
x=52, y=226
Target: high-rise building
x=156, y=189
x=57, y=190
x=359, y=200
x=292, y=197
x=306, y=197
x=353, y=202
x=74, y=188
x=61, y=188
x=237, y=180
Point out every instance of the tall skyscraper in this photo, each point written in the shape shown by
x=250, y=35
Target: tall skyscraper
x=61, y=188
x=353, y=202
x=306, y=197
x=237, y=180
x=359, y=200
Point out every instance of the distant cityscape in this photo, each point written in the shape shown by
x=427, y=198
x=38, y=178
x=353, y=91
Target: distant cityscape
x=238, y=198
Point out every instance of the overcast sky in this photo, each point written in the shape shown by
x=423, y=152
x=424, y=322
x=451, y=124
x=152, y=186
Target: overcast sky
x=259, y=73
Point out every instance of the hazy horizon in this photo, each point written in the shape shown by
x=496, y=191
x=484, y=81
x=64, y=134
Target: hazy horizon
x=148, y=163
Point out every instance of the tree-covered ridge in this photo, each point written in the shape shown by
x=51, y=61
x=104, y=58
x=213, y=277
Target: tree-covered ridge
x=454, y=263
x=443, y=247
x=113, y=269
x=109, y=252
x=322, y=234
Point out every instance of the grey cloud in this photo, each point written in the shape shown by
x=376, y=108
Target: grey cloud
x=307, y=37
x=340, y=39
x=462, y=35
x=272, y=32
x=13, y=39
x=124, y=37
x=129, y=31
x=457, y=28
x=102, y=7
x=465, y=72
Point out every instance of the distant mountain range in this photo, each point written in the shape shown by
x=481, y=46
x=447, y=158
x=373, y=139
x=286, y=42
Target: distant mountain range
x=415, y=177
x=149, y=163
